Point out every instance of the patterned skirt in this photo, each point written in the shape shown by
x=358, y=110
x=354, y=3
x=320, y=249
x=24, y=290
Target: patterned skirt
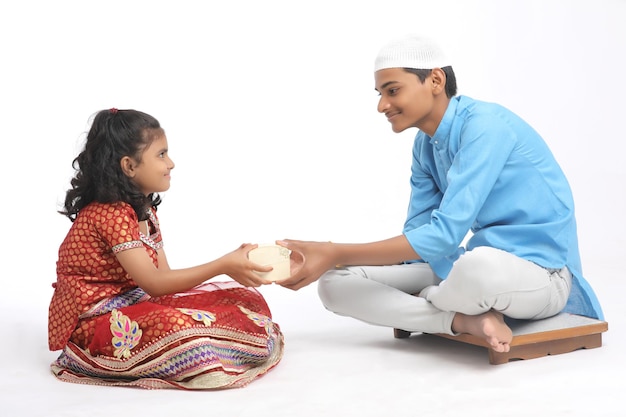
x=218, y=335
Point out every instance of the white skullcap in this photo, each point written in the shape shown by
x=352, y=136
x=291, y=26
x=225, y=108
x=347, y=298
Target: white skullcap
x=411, y=52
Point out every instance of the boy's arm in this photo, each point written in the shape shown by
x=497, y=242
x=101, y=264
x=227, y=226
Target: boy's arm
x=320, y=257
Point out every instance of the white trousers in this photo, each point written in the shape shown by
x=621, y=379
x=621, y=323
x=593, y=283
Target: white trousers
x=482, y=279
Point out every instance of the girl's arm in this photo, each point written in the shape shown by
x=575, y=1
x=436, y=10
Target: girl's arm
x=163, y=280
x=162, y=260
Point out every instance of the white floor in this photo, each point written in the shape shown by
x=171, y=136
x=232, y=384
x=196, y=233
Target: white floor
x=334, y=366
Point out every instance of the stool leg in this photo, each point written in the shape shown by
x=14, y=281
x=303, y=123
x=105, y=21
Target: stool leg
x=401, y=334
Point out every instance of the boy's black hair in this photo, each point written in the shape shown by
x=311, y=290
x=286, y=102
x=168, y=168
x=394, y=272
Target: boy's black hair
x=99, y=176
x=451, y=88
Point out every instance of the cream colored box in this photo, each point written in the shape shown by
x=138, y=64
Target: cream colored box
x=278, y=257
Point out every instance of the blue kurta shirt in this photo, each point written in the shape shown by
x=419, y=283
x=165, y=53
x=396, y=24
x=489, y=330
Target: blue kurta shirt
x=487, y=172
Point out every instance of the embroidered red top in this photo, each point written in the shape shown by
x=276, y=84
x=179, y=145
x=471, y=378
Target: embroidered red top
x=87, y=268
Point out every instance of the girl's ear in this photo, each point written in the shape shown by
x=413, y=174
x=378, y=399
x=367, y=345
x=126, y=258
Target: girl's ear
x=128, y=166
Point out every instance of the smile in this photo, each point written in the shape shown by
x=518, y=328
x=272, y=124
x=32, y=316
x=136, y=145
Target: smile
x=391, y=115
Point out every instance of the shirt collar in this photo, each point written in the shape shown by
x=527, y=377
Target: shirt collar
x=445, y=126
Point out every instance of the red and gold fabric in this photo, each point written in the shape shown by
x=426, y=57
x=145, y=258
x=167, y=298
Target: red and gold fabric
x=111, y=332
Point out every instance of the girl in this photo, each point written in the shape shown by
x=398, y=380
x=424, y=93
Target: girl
x=119, y=314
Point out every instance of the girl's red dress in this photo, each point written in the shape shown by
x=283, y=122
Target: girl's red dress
x=218, y=335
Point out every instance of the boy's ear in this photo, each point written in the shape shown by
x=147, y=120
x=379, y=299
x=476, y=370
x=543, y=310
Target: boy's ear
x=438, y=79
x=128, y=166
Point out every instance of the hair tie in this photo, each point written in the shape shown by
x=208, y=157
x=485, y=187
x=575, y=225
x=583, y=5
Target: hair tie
x=112, y=110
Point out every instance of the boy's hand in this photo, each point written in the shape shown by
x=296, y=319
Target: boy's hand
x=309, y=261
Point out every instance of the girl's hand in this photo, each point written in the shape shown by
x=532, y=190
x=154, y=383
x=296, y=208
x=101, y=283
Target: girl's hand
x=237, y=266
x=317, y=258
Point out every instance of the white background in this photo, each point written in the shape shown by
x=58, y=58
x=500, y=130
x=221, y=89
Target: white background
x=270, y=112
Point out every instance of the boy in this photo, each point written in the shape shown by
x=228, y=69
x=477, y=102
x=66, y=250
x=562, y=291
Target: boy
x=477, y=168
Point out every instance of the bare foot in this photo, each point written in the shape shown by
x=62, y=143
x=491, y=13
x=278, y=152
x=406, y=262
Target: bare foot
x=489, y=326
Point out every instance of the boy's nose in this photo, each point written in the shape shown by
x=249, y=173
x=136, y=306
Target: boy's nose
x=382, y=105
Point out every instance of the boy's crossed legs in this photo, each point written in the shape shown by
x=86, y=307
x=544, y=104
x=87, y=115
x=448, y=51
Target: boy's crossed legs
x=484, y=284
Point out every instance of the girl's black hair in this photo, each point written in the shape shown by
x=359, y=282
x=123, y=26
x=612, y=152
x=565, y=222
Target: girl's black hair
x=450, y=78
x=99, y=176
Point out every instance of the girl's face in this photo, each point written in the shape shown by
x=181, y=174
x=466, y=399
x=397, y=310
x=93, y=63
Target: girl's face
x=405, y=100
x=152, y=173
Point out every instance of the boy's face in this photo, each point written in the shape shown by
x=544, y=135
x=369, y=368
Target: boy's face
x=405, y=100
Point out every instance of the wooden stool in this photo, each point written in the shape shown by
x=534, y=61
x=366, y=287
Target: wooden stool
x=562, y=333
